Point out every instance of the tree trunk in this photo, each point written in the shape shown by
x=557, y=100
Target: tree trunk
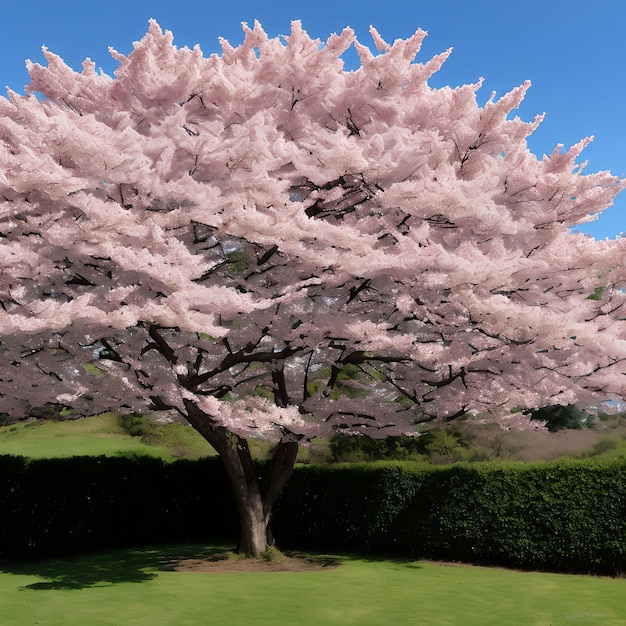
x=254, y=501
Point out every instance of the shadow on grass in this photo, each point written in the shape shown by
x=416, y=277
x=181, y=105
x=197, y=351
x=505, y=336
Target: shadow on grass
x=108, y=568
x=137, y=565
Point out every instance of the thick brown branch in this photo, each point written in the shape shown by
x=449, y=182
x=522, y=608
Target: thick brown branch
x=279, y=472
x=237, y=358
x=281, y=397
x=160, y=345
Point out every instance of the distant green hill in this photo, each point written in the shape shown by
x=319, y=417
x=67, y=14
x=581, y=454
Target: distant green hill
x=105, y=434
x=112, y=435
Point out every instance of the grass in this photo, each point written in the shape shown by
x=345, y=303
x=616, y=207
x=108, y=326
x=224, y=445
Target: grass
x=111, y=435
x=99, y=435
x=108, y=435
x=138, y=587
x=91, y=436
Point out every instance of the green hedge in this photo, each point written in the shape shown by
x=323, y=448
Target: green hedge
x=61, y=506
x=561, y=516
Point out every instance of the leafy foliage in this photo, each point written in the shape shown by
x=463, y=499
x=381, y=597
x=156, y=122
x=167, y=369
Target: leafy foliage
x=437, y=444
x=561, y=516
x=558, y=417
x=64, y=506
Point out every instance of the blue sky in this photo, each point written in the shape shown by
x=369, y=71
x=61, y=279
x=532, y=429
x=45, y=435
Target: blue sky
x=573, y=51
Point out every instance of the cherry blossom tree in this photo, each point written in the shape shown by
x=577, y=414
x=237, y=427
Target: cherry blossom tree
x=275, y=247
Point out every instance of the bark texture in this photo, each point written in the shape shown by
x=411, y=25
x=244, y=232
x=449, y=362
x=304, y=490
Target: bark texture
x=255, y=497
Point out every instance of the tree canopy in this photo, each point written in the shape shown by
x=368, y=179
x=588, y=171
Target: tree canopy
x=273, y=246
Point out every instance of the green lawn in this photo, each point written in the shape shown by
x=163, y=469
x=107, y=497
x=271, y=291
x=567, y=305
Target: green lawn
x=90, y=436
x=135, y=588
x=104, y=435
